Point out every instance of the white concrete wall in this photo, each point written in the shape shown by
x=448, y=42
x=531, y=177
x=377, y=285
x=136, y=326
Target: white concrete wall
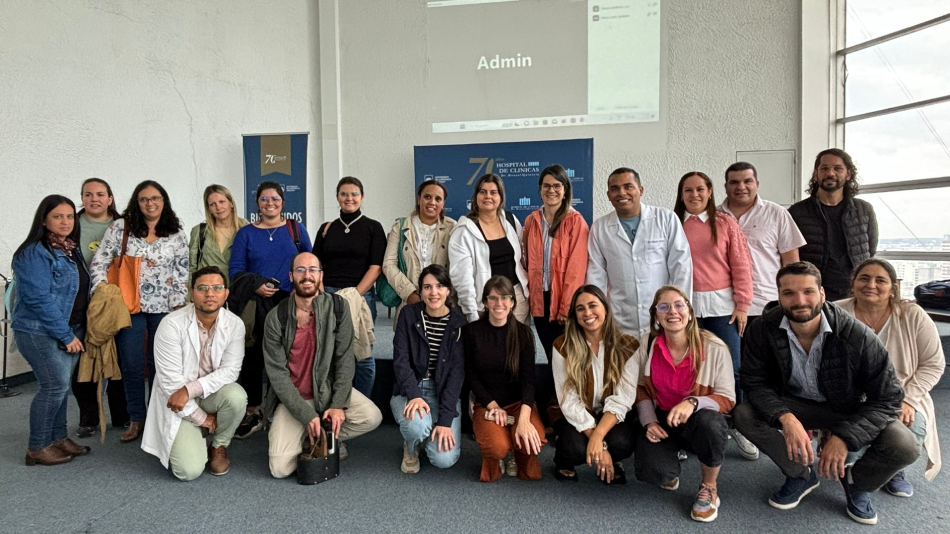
x=731, y=82
x=146, y=89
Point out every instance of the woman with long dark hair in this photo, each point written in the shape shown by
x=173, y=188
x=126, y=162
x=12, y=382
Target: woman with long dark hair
x=154, y=234
x=97, y=213
x=487, y=243
x=555, y=253
x=424, y=236
x=259, y=270
x=913, y=344
x=49, y=319
x=429, y=364
x=685, y=389
x=595, y=378
x=499, y=364
x=351, y=249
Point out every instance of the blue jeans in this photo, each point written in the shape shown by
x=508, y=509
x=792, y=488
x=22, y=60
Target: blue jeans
x=138, y=361
x=729, y=334
x=419, y=429
x=53, y=369
x=365, y=374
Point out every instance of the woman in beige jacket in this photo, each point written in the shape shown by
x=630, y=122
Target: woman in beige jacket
x=424, y=236
x=913, y=343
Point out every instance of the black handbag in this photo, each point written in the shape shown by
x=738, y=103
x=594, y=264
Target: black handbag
x=321, y=462
x=934, y=294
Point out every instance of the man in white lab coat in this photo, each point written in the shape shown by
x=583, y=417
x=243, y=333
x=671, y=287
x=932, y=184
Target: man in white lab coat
x=198, y=354
x=636, y=250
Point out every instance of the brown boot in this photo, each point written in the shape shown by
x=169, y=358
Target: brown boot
x=51, y=455
x=218, y=463
x=71, y=448
x=133, y=432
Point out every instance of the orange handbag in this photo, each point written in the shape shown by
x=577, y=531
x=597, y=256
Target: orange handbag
x=124, y=272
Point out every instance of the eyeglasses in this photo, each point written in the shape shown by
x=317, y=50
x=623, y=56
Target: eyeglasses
x=270, y=199
x=664, y=307
x=157, y=199
x=216, y=288
x=502, y=298
x=552, y=187
x=300, y=271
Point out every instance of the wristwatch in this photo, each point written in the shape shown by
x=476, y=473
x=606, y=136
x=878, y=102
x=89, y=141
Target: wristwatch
x=694, y=401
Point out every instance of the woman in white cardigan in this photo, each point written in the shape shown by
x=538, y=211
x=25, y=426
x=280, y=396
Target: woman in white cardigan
x=486, y=243
x=913, y=343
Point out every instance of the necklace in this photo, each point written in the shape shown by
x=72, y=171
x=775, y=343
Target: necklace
x=270, y=233
x=347, y=226
x=871, y=325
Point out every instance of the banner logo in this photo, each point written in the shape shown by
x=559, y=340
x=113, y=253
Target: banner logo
x=488, y=164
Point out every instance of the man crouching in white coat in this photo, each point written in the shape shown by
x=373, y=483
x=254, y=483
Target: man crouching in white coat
x=198, y=353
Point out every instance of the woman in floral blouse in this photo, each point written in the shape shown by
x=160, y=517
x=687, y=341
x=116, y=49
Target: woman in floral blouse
x=156, y=236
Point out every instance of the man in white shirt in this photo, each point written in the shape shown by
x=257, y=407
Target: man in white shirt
x=198, y=353
x=636, y=250
x=769, y=229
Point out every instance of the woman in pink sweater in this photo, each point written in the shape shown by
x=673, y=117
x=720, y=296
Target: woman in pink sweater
x=722, y=268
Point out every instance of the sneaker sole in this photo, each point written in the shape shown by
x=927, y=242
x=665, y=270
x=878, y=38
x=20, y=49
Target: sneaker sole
x=750, y=457
x=709, y=519
x=674, y=487
x=791, y=505
x=899, y=493
x=862, y=520
x=409, y=470
x=220, y=474
x=254, y=430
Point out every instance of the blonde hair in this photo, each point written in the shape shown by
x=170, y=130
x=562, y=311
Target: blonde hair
x=209, y=217
x=577, y=353
x=695, y=336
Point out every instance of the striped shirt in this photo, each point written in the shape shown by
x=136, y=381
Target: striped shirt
x=435, y=331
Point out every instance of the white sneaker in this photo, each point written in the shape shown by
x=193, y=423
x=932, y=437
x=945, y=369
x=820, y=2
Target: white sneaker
x=511, y=467
x=681, y=455
x=746, y=448
x=410, y=460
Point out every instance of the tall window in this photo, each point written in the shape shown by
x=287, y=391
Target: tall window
x=894, y=82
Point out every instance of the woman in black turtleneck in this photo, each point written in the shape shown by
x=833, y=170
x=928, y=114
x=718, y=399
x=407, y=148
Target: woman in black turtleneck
x=351, y=249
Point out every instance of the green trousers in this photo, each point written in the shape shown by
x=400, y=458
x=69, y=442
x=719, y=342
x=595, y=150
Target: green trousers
x=189, y=452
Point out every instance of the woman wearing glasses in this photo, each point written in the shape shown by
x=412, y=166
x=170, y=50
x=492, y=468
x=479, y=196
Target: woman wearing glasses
x=155, y=235
x=686, y=387
x=499, y=366
x=259, y=272
x=555, y=253
x=351, y=249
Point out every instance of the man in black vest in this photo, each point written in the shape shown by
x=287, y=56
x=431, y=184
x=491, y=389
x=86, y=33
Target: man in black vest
x=809, y=365
x=841, y=230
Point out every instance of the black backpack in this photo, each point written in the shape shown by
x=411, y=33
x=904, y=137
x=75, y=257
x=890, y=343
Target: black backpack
x=283, y=314
x=934, y=294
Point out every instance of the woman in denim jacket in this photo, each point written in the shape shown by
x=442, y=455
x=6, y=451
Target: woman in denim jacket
x=48, y=322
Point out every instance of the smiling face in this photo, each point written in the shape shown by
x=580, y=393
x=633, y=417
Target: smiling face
x=552, y=191
x=801, y=297
x=96, y=200
x=624, y=193
x=430, y=203
x=270, y=204
x=489, y=198
x=209, y=293
x=219, y=206
x=306, y=275
x=873, y=286
x=151, y=202
x=672, y=312
x=499, y=306
x=61, y=220
x=433, y=294
x=349, y=197
x=831, y=173
x=695, y=194
x=742, y=188
x=590, y=313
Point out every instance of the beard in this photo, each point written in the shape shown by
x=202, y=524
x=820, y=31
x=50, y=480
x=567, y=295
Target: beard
x=813, y=312
x=306, y=293
x=207, y=308
x=829, y=187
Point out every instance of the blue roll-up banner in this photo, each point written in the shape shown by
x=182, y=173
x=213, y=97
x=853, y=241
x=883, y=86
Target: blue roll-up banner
x=282, y=159
x=518, y=164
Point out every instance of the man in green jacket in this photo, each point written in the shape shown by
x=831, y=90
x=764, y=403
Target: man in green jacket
x=308, y=356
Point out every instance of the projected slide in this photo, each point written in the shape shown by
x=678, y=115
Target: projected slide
x=514, y=64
